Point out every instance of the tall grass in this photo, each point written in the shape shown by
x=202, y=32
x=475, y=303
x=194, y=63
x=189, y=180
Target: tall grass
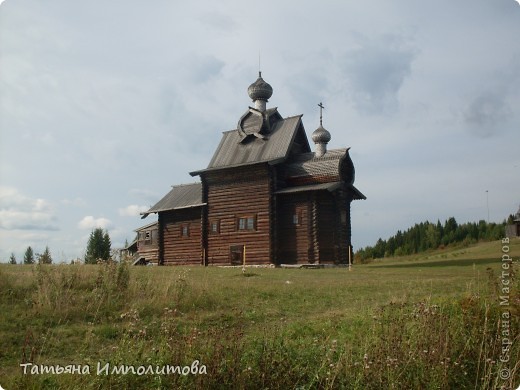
x=372, y=328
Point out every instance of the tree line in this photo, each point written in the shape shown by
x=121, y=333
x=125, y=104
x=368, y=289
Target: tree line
x=30, y=257
x=98, y=249
x=427, y=235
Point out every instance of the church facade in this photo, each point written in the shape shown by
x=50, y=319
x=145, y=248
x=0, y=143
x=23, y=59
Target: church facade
x=264, y=198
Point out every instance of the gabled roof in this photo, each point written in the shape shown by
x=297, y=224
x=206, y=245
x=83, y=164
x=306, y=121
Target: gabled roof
x=180, y=197
x=256, y=145
x=148, y=226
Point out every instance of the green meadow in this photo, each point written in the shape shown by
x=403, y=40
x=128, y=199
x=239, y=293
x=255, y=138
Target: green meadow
x=431, y=321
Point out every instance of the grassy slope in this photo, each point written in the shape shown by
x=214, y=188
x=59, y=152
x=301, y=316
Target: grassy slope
x=231, y=322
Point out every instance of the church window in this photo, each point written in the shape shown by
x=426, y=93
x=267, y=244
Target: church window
x=246, y=223
x=214, y=226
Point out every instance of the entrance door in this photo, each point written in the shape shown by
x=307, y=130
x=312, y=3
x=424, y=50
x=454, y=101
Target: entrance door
x=236, y=254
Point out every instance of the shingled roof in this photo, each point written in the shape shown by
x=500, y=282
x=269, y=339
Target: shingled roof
x=180, y=197
x=253, y=144
x=307, y=172
x=334, y=165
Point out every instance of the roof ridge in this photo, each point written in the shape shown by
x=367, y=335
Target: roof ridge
x=311, y=156
x=293, y=116
x=186, y=184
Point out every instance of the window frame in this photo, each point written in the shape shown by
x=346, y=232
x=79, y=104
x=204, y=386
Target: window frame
x=246, y=223
x=212, y=223
x=185, y=230
x=297, y=218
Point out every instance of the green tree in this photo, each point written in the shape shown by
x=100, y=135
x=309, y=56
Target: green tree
x=98, y=246
x=433, y=236
x=45, y=257
x=12, y=259
x=28, y=257
x=106, y=246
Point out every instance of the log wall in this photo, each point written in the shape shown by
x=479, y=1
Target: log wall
x=294, y=237
x=328, y=227
x=177, y=248
x=149, y=249
x=231, y=194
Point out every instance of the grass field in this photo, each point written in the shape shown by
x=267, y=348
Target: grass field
x=428, y=321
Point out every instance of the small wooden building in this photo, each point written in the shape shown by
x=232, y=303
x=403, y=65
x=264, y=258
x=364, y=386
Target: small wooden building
x=144, y=249
x=264, y=198
x=513, y=230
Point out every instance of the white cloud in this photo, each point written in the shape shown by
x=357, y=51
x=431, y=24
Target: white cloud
x=133, y=210
x=89, y=222
x=20, y=212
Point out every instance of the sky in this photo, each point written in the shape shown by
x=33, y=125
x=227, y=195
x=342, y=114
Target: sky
x=106, y=104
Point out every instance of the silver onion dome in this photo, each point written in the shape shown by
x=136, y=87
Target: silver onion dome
x=260, y=90
x=321, y=135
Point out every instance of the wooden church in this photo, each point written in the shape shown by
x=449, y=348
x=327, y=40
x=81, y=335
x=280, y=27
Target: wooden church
x=264, y=198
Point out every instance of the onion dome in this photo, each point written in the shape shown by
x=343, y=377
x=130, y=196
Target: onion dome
x=321, y=135
x=260, y=90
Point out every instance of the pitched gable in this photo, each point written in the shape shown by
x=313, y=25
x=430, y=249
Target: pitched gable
x=180, y=197
x=251, y=143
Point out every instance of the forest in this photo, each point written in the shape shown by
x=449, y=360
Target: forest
x=427, y=235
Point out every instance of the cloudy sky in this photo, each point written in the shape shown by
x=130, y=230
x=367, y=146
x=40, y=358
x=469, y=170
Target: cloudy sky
x=106, y=104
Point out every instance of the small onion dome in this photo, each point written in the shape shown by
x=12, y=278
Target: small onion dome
x=321, y=135
x=260, y=90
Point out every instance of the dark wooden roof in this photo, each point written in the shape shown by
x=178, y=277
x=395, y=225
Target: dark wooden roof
x=312, y=187
x=148, y=226
x=306, y=168
x=306, y=172
x=180, y=197
x=307, y=164
x=356, y=194
x=255, y=144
